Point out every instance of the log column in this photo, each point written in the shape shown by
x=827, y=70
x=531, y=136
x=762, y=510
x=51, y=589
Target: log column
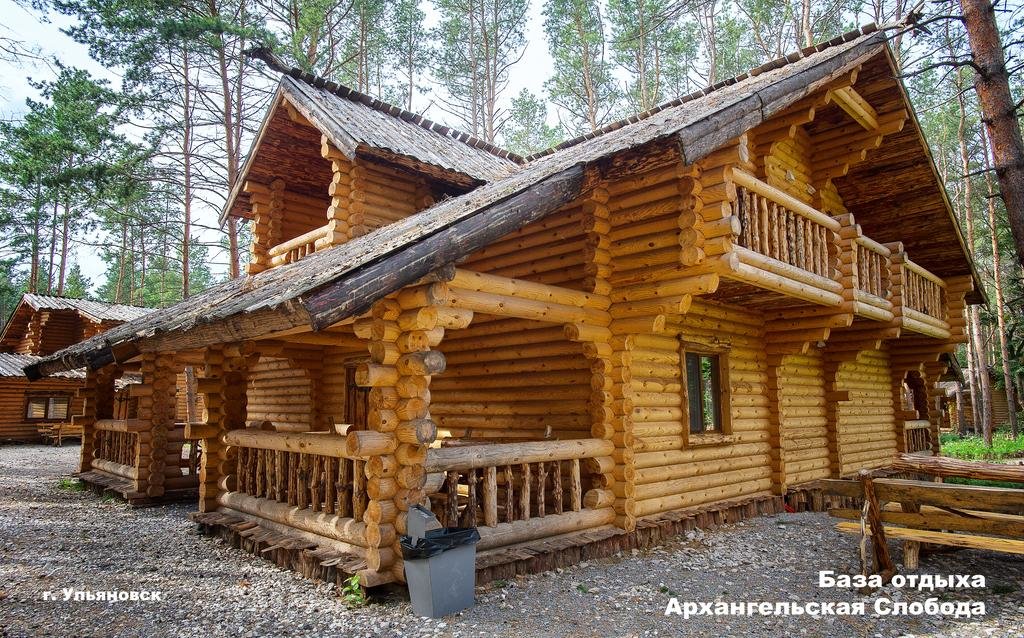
x=266, y=212
x=224, y=383
x=340, y=190
x=402, y=332
x=98, y=393
x=157, y=407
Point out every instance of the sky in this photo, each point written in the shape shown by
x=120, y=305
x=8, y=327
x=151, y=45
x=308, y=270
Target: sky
x=47, y=38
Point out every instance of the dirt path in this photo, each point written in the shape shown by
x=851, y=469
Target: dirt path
x=53, y=538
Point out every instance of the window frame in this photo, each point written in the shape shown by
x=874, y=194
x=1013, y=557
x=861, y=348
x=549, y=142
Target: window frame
x=48, y=408
x=722, y=435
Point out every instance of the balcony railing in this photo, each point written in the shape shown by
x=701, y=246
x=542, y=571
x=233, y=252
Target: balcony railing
x=298, y=247
x=919, y=296
x=779, y=226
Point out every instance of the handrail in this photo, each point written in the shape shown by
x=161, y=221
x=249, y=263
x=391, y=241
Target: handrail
x=918, y=270
x=748, y=181
x=872, y=245
x=297, y=242
x=492, y=455
x=321, y=443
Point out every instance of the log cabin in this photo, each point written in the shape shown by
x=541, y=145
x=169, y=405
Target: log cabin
x=686, y=317
x=41, y=325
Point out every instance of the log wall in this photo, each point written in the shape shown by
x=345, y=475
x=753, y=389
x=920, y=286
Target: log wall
x=866, y=423
x=512, y=379
x=553, y=251
x=280, y=393
x=804, y=424
x=13, y=397
x=672, y=469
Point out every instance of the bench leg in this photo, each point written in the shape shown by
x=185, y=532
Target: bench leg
x=911, y=554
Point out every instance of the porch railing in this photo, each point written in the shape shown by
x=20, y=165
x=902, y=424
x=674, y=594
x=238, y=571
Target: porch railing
x=116, y=447
x=321, y=479
x=920, y=296
x=298, y=247
x=488, y=484
x=779, y=226
x=917, y=436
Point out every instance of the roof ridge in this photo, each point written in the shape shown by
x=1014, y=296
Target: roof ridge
x=767, y=66
x=99, y=301
x=348, y=93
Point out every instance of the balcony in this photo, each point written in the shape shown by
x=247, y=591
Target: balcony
x=798, y=253
x=296, y=248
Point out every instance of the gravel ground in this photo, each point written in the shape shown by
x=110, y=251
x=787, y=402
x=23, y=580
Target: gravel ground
x=52, y=538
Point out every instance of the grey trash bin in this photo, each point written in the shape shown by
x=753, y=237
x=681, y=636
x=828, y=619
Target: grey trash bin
x=440, y=564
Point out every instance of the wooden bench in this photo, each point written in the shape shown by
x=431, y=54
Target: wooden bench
x=55, y=433
x=927, y=512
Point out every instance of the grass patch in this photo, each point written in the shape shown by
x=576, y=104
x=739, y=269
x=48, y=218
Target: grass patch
x=71, y=485
x=973, y=448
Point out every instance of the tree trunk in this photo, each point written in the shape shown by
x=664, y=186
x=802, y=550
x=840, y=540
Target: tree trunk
x=1000, y=113
x=186, y=146
x=65, y=232
x=997, y=278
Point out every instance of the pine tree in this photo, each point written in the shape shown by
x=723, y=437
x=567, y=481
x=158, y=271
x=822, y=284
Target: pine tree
x=527, y=130
x=477, y=45
x=582, y=84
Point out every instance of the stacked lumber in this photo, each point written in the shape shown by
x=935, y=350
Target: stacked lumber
x=674, y=469
x=556, y=250
x=802, y=408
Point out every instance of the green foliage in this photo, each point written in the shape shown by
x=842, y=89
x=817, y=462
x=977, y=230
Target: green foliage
x=644, y=35
x=352, y=593
x=70, y=485
x=477, y=45
x=526, y=131
x=582, y=84
x=973, y=448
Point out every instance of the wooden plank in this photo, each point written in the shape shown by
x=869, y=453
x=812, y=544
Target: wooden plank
x=939, y=520
x=997, y=499
x=968, y=541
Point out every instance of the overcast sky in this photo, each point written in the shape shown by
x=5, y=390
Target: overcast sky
x=47, y=38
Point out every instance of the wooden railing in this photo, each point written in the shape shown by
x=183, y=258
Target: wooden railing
x=321, y=479
x=923, y=291
x=298, y=247
x=116, y=447
x=488, y=484
x=917, y=436
x=779, y=226
x=872, y=260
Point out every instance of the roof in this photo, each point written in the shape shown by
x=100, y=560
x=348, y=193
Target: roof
x=358, y=124
x=93, y=310
x=331, y=285
x=13, y=365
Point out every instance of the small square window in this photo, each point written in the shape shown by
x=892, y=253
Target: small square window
x=704, y=392
x=48, y=408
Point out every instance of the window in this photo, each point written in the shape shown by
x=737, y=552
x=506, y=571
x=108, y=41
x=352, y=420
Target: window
x=49, y=408
x=704, y=392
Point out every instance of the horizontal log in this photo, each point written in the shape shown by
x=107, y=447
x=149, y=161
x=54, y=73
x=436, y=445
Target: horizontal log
x=505, y=534
x=321, y=443
x=117, y=469
x=344, y=529
x=122, y=425
x=947, y=467
x=475, y=456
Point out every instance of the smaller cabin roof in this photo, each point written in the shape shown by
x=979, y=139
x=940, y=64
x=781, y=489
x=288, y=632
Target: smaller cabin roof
x=93, y=311
x=13, y=366
x=358, y=124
